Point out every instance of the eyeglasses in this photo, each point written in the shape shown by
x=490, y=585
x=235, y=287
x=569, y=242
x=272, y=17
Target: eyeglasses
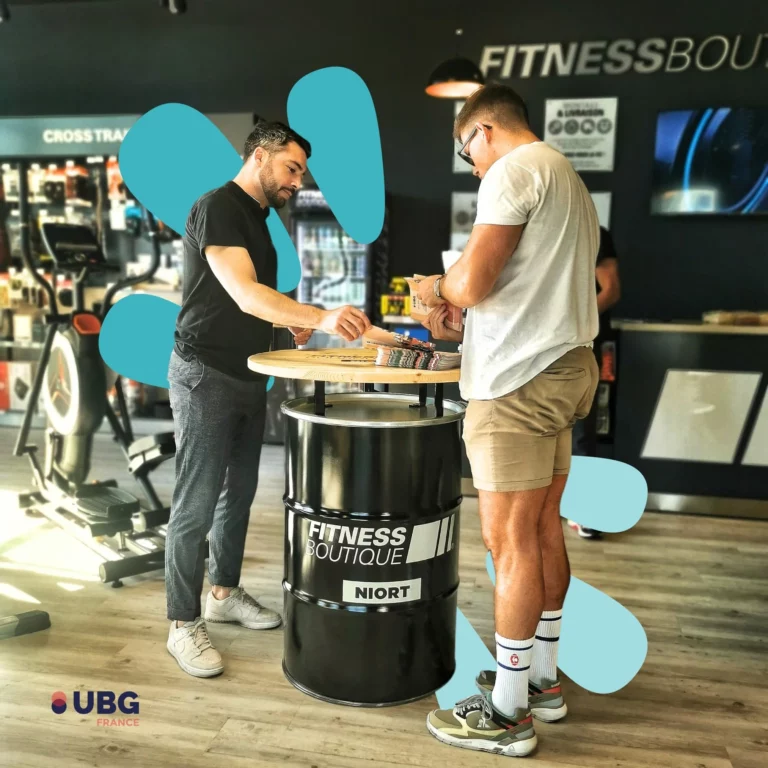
x=462, y=153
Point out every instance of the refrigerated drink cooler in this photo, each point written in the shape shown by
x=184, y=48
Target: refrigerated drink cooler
x=335, y=271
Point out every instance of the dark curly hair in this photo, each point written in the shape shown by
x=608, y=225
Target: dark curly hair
x=271, y=136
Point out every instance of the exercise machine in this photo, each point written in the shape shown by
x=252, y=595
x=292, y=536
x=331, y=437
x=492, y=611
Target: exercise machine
x=72, y=378
x=143, y=455
x=147, y=453
x=23, y=624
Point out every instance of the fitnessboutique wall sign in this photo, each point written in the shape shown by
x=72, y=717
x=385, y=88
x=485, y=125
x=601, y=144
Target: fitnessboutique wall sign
x=618, y=57
x=55, y=136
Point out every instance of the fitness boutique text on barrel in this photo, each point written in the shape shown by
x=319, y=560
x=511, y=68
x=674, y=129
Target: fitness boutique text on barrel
x=373, y=490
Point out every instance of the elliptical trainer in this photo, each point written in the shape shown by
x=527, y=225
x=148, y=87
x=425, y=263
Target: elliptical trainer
x=72, y=377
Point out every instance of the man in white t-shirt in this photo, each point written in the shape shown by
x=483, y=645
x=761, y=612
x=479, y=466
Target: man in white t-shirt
x=527, y=277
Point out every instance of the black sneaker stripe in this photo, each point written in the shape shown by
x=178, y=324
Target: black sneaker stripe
x=557, y=618
x=501, y=719
x=513, y=669
x=548, y=639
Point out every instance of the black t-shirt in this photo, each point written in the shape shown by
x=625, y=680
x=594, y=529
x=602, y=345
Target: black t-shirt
x=211, y=325
x=606, y=251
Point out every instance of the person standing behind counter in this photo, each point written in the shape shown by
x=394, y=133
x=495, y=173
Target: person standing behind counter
x=608, y=295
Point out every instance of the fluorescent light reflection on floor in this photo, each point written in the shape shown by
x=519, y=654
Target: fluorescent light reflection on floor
x=43, y=547
x=69, y=586
x=14, y=593
x=58, y=573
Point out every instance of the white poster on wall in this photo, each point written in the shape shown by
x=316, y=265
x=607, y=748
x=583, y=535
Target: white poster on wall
x=463, y=214
x=602, y=201
x=584, y=130
x=459, y=165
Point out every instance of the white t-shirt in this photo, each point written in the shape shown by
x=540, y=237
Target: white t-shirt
x=544, y=302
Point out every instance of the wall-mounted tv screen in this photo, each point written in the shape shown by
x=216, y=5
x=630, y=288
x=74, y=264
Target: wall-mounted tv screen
x=711, y=161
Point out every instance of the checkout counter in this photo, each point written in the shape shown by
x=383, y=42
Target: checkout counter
x=692, y=415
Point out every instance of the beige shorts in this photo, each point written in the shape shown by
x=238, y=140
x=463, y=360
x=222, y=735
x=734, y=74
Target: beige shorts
x=519, y=441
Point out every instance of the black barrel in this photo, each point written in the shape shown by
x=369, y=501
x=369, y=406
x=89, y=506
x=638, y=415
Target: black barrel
x=373, y=490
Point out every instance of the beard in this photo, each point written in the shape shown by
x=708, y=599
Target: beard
x=271, y=187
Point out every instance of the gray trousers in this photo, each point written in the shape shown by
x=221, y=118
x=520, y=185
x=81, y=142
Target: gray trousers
x=219, y=427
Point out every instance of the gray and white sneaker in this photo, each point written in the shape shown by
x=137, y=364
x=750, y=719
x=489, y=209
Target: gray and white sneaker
x=240, y=608
x=545, y=698
x=190, y=645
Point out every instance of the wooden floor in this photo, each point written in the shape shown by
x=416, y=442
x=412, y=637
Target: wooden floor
x=699, y=587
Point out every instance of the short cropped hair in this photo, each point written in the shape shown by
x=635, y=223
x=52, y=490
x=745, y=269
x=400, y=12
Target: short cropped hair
x=495, y=102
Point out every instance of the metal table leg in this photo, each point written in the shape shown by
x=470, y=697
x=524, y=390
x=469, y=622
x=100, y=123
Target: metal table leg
x=320, y=398
x=439, y=399
x=422, y=397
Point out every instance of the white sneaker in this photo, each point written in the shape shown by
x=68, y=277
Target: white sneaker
x=240, y=608
x=585, y=533
x=190, y=645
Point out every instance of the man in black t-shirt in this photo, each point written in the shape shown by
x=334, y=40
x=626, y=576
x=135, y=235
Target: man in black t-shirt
x=608, y=293
x=230, y=302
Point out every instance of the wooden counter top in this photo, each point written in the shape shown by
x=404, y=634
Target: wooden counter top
x=354, y=365
x=693, y=327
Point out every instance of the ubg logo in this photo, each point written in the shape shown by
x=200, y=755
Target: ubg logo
x=104, y=702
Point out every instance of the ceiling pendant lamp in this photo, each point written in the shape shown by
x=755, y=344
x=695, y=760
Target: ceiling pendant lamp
x=456, y=78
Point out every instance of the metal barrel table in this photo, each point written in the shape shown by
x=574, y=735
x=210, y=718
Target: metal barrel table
x=372, y=499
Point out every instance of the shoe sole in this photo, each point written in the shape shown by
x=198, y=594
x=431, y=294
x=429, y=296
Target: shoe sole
x=545, y=714
x=193, y=670
x=550, y=714
x=516, y=749
x=271, y=625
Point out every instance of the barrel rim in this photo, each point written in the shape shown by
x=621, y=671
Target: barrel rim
x=452, y=412
x=441, y=510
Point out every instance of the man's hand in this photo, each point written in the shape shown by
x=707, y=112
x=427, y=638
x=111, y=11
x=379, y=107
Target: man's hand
x=426, y=291
x=435, y=322
x=348, y=322
x=607, y=275
x=301, y=335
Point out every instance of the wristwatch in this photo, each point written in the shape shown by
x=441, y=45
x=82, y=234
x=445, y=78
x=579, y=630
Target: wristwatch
x=436, y=286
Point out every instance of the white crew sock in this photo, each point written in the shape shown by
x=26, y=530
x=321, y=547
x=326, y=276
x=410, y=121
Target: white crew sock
x=513, y=660
x=544, y=664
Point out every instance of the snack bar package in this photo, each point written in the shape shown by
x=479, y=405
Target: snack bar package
x=420, y=312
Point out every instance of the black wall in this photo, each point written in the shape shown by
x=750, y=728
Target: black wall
x=127, y=56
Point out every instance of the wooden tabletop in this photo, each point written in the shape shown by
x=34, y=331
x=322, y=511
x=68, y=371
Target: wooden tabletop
x=693, y=327
x=354, y=365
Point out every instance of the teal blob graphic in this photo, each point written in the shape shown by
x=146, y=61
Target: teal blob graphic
x=172, y=156
x=148, y=319
x=288, y=265
x=602, y=645
x=333, y=109
x=151, y=319
x=617, y=506
x=471, y=657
